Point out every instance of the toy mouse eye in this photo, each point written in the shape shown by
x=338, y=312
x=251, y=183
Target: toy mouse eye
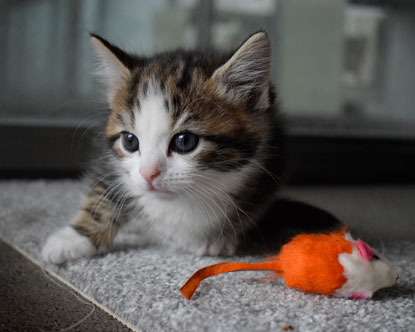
x=375, y=257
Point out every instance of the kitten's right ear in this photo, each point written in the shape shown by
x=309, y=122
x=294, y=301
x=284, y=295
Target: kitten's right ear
x=112, y=64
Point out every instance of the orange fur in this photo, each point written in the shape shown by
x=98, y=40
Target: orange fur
x=309, y=262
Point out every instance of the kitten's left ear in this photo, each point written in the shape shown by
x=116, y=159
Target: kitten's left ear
x=113, y=64
x=247, y=71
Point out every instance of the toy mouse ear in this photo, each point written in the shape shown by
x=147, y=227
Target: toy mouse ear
x=365, y=250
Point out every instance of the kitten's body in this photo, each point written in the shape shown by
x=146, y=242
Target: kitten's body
x=203, y=199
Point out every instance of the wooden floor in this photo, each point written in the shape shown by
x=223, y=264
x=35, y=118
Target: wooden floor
x=29, y=301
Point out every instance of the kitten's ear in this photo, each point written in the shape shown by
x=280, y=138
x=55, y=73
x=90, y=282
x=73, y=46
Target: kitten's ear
x=112, y=64
x=247, y=71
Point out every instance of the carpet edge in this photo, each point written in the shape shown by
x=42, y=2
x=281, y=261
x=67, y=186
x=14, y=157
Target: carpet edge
x=70, y=286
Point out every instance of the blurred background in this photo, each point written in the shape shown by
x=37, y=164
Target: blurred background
x=344, y=71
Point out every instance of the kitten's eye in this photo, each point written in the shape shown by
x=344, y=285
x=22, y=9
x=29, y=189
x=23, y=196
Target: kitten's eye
x=375, y=257
x=130, y=142
x=184, y=142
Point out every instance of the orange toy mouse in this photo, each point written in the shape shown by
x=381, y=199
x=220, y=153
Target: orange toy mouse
x=327, y=264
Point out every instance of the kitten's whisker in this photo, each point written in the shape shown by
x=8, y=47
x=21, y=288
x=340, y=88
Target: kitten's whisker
x=226, y=196
x=98, y=112
x=209, y=182
x=214, y=221
x=83, y=120
x=216, y=218
x=223, y=212
x=210, y=216
x=97, y=182
x=219, y=189
x=104, y=196
x=203, y=192
x=191, y=197
x=257, y=163
x=119, y=206
x=86, y=130
x=253, y=161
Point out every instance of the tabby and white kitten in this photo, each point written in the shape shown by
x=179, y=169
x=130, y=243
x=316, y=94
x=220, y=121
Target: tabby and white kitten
x=191, y=140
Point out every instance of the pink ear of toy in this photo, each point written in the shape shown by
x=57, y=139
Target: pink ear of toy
x=365, y=250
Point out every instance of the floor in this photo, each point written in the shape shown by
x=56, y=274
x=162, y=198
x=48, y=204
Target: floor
x=26, y=295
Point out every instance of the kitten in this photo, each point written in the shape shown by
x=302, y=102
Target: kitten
x=191, y=140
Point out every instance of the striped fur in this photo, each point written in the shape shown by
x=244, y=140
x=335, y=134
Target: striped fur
x=205, y=200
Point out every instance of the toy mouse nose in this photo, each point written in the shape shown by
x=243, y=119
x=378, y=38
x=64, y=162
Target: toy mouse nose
x=149, y=174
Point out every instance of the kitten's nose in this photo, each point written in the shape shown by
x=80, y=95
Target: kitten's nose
x=149, y=174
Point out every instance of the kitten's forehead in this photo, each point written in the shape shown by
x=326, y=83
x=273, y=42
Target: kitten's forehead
x=153, y=122
x=150, y=103
x=181, y=83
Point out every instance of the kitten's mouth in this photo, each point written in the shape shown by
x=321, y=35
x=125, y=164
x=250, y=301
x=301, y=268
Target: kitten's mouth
x=161, y=191
x=164, y=191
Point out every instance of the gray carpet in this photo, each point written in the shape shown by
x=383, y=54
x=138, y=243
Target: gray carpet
x=140, y=284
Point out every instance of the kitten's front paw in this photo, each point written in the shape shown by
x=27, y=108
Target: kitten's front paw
x=67, y=244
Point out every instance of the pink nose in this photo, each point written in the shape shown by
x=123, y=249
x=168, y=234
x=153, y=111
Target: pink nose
x=149, y=174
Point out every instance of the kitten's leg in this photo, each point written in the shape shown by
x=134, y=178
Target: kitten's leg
x=217, y=244
x=221, y=247
x=92, y=232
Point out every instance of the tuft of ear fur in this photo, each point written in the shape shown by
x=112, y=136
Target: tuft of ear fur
x=247, y=71
x=112, y=64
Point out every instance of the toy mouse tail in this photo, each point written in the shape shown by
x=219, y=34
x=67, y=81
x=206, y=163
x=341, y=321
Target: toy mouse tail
x=193, y=282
